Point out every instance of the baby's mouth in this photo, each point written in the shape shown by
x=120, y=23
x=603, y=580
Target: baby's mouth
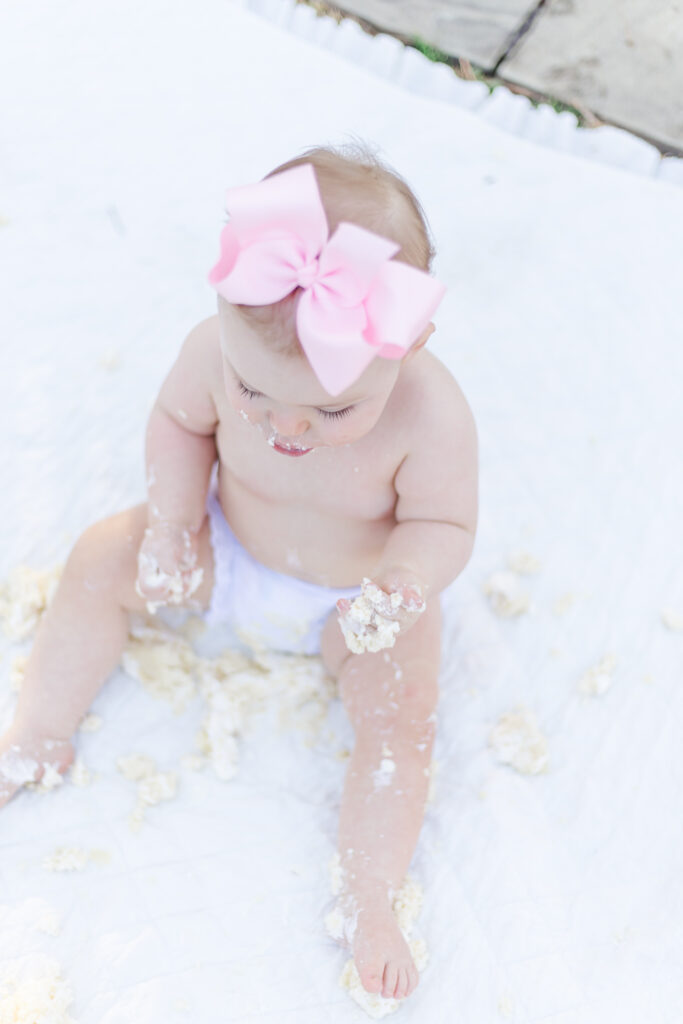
x=285, y=447
x=288, y=449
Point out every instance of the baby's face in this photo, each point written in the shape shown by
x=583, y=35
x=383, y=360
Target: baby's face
x=281, y=395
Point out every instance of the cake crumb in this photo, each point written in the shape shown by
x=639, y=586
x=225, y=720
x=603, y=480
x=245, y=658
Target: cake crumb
x=33, y=991
x=49, y=924
x=407, y=904
x=66, y=858
x=506, y=1006
x=506, y=597
x=294, y=687
x=518, y=742
x=366, y=626
x=17, y=671
x=79, y=775
x=24, y=596
x=598, y=679
x=179, y=585
x=336, y=874
x=110, y=360
x=51, y=779
x=564, y=603
x=136, y=766
x=383, y=775
x=524, y=563
x=91, y=723
x=672, y=619
x=193, y=763
x=32, y=914
x=164, y=663
x=100, y=857
x=153, y=787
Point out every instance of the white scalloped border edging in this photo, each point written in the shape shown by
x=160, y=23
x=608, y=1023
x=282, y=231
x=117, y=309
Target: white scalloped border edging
x=387, y=57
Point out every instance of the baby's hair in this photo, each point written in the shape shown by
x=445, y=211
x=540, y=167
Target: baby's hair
x=357, y=187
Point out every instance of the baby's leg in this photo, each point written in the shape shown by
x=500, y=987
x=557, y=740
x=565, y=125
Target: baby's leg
x=390, y=698
x=78, y=644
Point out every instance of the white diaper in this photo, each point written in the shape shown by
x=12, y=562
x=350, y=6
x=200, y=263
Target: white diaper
x=261, y=607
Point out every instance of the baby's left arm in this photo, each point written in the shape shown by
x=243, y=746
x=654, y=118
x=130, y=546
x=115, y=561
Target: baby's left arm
x=436, y=509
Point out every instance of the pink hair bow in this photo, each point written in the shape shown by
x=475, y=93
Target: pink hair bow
x=356, y=303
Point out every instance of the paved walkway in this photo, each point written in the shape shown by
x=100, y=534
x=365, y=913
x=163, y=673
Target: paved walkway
x=615, y=62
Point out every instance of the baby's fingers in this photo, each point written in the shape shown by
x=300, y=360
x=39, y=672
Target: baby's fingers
x=155, y=596
x=191, y=580
x=412, y=599
x=157, y=586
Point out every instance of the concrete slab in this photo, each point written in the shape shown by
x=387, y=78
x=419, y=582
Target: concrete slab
x=621, y=60
x=479, y=30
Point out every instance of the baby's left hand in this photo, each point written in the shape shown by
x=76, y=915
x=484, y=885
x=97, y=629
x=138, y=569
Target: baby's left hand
x=411, y=592
x=390, y=597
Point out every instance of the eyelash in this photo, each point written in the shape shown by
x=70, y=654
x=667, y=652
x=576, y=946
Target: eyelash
x=337, y=414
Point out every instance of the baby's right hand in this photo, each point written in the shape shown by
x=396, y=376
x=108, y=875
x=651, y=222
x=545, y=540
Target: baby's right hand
x=167, y=565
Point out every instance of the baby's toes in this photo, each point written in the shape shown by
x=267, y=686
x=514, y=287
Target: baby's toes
x=28, y=762
x=402, y=983
x=390, y=979
x=16, y=769
x=413, y=979
x=370, y=975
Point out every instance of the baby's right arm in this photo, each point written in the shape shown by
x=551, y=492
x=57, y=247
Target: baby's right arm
x=180, y=452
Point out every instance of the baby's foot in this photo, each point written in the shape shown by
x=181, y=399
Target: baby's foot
x=380, y=951
x=27, y=758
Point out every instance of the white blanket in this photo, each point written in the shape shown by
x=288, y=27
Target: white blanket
x=553, y=898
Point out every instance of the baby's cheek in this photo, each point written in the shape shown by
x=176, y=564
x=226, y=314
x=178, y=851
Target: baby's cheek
x=359, y=427
x=338, y=434
x=241, y=411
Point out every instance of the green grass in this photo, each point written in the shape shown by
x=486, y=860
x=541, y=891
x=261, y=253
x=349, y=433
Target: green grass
x=490, y=81
x=438, y=56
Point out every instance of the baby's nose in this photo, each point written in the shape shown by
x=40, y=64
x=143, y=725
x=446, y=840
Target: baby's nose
x=288, y=424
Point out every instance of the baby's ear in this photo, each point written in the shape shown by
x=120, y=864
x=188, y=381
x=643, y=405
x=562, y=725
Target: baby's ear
x=421, y=341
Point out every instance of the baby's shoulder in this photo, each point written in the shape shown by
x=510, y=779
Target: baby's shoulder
x=188, y=392
x=202, y=345
x=200, y=360
x=432, y=399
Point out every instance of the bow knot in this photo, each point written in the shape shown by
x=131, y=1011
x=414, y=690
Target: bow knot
x=364, y=304
x=307, y=274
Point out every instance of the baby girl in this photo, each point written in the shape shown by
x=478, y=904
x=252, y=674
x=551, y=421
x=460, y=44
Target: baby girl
x=304, y=449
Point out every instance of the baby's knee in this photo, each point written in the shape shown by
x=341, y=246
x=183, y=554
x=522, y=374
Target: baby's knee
x=418, y=699
x=108, y=548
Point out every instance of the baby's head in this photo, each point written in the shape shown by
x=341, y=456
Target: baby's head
x=267, y=375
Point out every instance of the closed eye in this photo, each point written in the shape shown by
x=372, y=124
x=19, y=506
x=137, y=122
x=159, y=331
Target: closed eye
x=244, y=390
x=335, y=414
